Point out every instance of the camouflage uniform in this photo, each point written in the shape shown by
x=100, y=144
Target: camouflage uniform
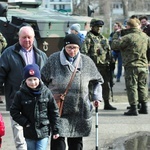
x=3, y=42
x=97, y=47
x=133, y=46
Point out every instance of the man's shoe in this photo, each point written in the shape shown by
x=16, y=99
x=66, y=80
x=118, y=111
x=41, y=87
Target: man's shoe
x=128, y=107
x=1, y=102
x=118, y=80
x=109, y=107
x=143, y=109
x=138, y=106
x=132, y=111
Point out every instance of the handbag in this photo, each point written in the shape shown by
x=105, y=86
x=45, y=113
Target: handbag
x=61, y=97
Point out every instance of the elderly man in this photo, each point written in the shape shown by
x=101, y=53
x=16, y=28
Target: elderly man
x=12, y=62
x=97, y=47
x=133, y=45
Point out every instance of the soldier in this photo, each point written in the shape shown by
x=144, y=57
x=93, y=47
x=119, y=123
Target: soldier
x=97, y=47
x=133, y=46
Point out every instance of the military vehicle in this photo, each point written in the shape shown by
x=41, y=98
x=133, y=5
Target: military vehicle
x=50, y=26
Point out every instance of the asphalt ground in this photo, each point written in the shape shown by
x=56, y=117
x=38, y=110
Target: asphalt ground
x=112, y=125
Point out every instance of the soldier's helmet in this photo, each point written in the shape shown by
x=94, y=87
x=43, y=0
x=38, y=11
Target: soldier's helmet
x=96, y=22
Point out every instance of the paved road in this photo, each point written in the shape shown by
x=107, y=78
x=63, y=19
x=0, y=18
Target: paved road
x=112, y=124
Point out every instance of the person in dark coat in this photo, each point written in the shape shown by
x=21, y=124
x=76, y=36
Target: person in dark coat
x=145, y=26
x=76, y=119
x=12, y=62
x=75, y=29
x=35, y=109
x=116, y=54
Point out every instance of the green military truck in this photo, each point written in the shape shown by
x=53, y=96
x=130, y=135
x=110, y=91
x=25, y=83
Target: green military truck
x=50, y=26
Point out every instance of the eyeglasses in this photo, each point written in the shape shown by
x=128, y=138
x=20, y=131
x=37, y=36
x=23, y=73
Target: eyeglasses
x=72, y=47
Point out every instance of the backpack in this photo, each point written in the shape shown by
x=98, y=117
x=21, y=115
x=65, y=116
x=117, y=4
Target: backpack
x=2, y=126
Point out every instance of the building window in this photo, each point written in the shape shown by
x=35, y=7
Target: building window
x=59, y=6
x=115, y=6
x=62, y=7
x=55, y=7
x=148, y=7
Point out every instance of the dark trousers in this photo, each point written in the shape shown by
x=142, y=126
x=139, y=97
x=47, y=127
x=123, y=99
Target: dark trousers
x=73, y=144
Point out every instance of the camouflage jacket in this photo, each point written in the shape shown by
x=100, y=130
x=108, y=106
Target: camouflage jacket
x=133, y=47
x=97, y=47
x=3, y=42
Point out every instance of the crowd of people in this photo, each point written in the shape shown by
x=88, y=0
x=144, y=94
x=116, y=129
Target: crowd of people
x=80, y=73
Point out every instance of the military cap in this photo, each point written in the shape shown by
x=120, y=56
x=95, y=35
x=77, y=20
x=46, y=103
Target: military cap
x=96, y=22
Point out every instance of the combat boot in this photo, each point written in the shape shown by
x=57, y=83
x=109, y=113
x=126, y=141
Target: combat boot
x=143, y=109
x=132, y=111
x=138, y=106
x=107, y=106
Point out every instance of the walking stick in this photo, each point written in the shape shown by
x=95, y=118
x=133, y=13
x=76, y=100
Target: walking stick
x=96, y=124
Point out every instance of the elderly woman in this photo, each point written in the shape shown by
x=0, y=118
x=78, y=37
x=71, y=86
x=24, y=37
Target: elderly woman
x=76, y=118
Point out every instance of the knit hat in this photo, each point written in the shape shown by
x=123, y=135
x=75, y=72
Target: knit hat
x=31, y=70
x=133, y=23
x=75, y=27
x=72, y=39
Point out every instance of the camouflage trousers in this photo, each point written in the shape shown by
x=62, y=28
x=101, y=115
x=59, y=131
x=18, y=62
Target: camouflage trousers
x=105, y=86
x=136, y=84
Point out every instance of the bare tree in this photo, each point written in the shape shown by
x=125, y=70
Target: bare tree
x=80, y=8
x=139, y=5
x=125, y=8
x=105, y=10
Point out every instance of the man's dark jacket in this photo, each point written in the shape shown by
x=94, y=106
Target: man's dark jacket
x=11, y=69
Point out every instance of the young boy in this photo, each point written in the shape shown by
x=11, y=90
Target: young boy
x=35, y=109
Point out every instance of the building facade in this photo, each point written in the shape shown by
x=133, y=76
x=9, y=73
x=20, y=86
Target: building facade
x=59, y=5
